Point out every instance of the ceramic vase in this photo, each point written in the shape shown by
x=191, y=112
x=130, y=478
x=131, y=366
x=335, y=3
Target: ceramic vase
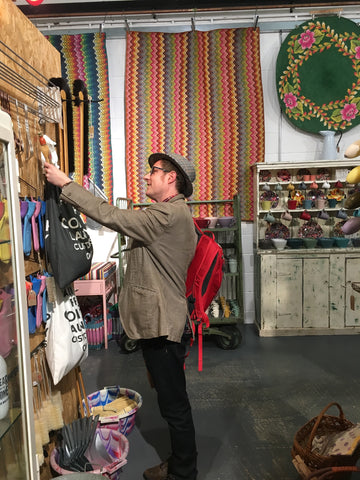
x=329, y=147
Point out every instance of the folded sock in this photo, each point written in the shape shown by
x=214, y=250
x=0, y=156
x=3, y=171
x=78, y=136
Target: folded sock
x=27, y=227
x=41, y=220
x=36, y=284
x=23, y=209
x=34, y=225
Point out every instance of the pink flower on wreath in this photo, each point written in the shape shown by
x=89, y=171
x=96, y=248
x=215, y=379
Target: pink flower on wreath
x=349, y=112
x=307, y=39
x=357, y=53
x=290, y=100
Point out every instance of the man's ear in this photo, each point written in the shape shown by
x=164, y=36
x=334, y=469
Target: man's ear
x=172, y=177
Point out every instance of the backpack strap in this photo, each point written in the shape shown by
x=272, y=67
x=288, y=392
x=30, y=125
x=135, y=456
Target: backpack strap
x=200, y=346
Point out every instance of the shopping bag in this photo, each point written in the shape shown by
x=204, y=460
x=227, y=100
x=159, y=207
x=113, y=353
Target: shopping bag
x=66, y=344
x=68, y=246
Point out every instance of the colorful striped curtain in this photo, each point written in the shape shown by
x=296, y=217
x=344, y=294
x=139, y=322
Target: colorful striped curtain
x=83, y=57
x=198, y=94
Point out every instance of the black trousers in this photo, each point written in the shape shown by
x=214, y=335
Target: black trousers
x=165, y=363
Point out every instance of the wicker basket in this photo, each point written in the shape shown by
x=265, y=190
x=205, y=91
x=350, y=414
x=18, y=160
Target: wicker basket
x=323, y=425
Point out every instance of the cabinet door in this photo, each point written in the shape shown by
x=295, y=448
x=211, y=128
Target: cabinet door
x=289, y=299
x=17, y=439
x=352, y=296
x=316, y=292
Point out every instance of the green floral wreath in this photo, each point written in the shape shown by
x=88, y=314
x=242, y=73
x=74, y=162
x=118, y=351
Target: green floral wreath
x=318, y=75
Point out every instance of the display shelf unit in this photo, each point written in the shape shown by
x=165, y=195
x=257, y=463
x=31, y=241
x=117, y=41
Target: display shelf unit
x=104, y=287
x=336, y=171
x=225, y=325
x=304, y=291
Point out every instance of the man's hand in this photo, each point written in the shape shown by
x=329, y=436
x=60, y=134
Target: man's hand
x=55, y=176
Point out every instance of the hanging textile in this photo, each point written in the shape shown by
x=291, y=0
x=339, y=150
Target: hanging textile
x=198, y=94
x=83, y=57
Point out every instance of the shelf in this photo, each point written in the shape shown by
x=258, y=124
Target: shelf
x=310, y=210
x=223, y=320
x=307, y=182
x=303, y=250
x=220, y=229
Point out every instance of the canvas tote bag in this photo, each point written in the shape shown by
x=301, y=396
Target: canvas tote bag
x=68, y=246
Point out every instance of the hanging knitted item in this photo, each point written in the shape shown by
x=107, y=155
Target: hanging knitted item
x=317, y=75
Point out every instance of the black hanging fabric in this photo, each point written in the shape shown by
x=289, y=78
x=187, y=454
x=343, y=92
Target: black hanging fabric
x=79, y=86
x=63, y=85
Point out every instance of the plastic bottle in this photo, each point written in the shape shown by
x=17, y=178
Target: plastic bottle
x=4, y=389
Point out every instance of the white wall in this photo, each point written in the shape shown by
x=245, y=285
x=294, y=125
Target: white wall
x=283, y=142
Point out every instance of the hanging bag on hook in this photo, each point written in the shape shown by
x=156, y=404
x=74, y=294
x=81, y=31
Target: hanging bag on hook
x=68, y=246
x=66, y=344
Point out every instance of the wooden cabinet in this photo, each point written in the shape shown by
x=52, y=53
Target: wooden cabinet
x=301, y=291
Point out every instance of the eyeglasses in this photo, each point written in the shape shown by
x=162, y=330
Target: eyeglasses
x=158, y=168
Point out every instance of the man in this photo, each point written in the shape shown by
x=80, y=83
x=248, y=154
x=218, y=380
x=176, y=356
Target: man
x=152, y=302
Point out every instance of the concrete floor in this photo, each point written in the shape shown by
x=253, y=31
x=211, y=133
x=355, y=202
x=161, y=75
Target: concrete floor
x=247, y=403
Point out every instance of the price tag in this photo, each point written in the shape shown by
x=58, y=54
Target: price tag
x=31, y=298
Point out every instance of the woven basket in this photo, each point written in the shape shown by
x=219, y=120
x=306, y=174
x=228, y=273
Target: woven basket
x=323, y=425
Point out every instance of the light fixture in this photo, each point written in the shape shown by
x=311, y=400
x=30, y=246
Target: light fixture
x=35, y=3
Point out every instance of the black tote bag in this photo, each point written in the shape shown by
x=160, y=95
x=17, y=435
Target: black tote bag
x=68, y=246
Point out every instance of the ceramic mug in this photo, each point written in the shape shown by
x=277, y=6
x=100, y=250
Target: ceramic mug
x=292, y=204
x=266, y=204
x=269, y=218
x=342, y=214
x=232, y=263
x=320, y=203
x=286, y=215
x=332, y=202
x=305, y=215
x=306, y=178
x=323, y=215
x=307, y=203
x=266, y=187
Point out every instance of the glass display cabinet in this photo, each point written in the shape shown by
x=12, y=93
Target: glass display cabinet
x=17, y=438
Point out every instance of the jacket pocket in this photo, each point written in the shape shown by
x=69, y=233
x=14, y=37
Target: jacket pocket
x=144, y=304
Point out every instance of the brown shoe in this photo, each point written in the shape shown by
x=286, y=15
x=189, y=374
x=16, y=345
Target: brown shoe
x=160, y=472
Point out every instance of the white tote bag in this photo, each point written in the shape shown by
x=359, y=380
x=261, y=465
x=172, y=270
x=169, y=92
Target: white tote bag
x=66, y=344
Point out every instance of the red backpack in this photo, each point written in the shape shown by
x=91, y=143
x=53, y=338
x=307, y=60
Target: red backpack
x=204, y=277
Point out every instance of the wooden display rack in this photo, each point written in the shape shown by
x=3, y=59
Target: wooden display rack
x=27, y=62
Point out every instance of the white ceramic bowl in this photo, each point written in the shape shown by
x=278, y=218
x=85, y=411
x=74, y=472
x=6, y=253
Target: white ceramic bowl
x=226, y=221
x=279, y=243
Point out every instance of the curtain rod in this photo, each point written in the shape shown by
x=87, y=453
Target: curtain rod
x=187, y=19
